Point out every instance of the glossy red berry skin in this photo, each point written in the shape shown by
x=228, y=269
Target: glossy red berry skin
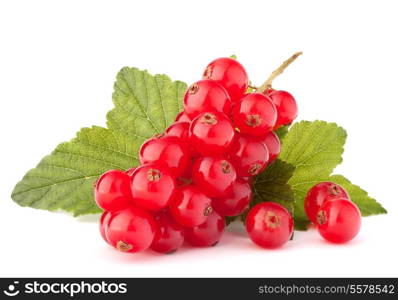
x=249, y=155
x=318, y=194
x=182, y=117
x=206, y=96
x=190, y=207
x=236, y=201
x=269, y=225
x=106, y=215
x=286, y=106
x=273, y=144
x=207, y=234
x=112, y=190
x=179, y=130
x=131, y=171
x=168, y=151
x=131, y=230
x=215, y=176
x=338, y=220
x=254, y=114
x=152, y=187
x=171, y=234
x=230, y=74
x=211, y=133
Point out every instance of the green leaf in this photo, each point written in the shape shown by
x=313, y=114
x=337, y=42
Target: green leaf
x=144, y=105
x=314, y=149
x=272, y=184
x=282, y=131
x=310, y=152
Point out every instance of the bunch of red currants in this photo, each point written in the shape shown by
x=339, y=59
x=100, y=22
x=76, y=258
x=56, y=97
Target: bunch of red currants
x=199, y=171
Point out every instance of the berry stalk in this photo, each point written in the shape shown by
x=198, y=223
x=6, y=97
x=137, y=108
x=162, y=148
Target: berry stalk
x=268, y=83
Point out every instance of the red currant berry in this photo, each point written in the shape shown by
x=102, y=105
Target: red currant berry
x=112, y=190
x=169, y=151
x=152, y=187
x=211, y=133
x=208, y=233
x=182, y=117
x=320, y=193
x=249, y=155
x=338, y=220
x=254, y=114
x=269, y=225
x=230, y=74
x=273, y=144
x=237, y=200
x=286, y=106
x=179, y=130
x=205, y=96
x=190, y=207
x=214, y=176
x=131, y=171
x=106, y=215
x=171, y=234
x=131, y=230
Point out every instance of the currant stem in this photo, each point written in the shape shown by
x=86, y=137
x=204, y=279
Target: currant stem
x=268, y=83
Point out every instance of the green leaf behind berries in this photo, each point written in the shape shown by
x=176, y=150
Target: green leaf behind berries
x=272, y=185
x=282, y=131
x=314, y=149
x=144, y=105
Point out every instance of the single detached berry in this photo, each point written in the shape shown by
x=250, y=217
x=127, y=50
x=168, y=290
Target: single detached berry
x=215, y=176
x=205, y=96
x=207, y=234
x=179, y=130
x=338, y=220
x=320, y=193
x=106, y=215
x=112, y=190
x=273, y=144
x=131, y=230
x=182, y=117
x=168, y=151
x=236, y=201
x=230, y=74
x=249, y=155
x=211, y=133
x=190, y=206
x=255, y=114
x=286, y=106
x=152, y=187
x=269, y=225
x=171, y=234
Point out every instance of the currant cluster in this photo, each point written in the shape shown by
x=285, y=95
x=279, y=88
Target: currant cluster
x=199, y=171
x=329, y=207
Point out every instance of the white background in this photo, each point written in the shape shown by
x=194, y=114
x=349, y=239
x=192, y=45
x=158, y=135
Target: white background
x=58, y=61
